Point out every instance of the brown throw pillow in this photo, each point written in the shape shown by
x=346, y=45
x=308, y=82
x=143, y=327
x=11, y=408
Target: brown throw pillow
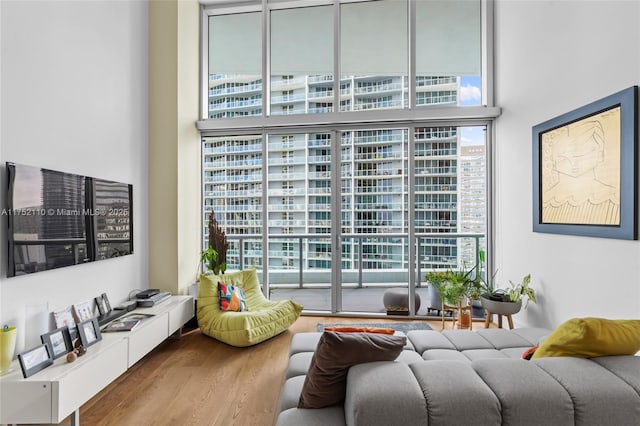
x=326, y=380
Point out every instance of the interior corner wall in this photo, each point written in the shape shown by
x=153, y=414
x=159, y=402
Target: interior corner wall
x=73, y=82
x=174, y=144
x=552, y=57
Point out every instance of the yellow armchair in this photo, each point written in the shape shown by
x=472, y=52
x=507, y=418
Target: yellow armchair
x=262, y=320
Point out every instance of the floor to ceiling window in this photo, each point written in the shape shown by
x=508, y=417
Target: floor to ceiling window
x=328, y=202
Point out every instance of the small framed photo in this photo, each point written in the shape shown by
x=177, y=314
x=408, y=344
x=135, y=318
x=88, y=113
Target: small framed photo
x=35, y=360
x=59, y=342
x=89, y=332
x=102, y=302
x=84, y=311
x=64, y=317
x=105, y=301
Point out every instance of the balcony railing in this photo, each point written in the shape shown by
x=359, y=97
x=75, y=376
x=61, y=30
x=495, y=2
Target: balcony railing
x=364, y=249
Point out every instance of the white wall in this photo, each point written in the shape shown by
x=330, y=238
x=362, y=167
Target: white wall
x=74, y=98
x=553, y=57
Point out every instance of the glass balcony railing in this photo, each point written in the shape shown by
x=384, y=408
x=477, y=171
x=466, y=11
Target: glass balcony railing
x=372, y=257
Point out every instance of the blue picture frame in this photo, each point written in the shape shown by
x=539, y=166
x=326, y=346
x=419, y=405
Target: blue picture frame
x=585, y=170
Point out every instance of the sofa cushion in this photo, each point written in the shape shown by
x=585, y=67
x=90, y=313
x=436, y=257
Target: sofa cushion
x=533, y=335
x=449, y=354
x=384, y=393
x=299, y=364
x=304, y=342
x=473, y=354
x=333, y=416
x=599, y=396
x=515, y=353
x=325, y=382
x=523, y=389
x=463, y=339
x=455, y=394
x=428, y=339
x=592, y=337
x=626, y=368
x=290, y=394
x=501, y=338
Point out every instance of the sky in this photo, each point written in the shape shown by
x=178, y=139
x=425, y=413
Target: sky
x=471, y=95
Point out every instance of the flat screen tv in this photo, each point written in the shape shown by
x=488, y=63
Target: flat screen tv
x=58, y=219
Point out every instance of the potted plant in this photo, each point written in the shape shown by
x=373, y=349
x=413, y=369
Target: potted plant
x=507, y=301
x=436, y=279
x=455, y=288
x=215, y=256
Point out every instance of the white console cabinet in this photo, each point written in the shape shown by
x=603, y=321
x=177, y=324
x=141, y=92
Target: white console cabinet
x=58, y=391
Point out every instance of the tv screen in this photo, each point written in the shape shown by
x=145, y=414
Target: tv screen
x=58, y=219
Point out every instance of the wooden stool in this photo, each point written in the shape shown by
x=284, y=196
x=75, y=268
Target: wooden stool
x=487, y=320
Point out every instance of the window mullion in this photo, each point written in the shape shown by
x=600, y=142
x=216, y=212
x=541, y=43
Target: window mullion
x=266, y=59
x=412, y=55
x=336, y=223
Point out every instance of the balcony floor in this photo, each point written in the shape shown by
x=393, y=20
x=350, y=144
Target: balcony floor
x=365, y=300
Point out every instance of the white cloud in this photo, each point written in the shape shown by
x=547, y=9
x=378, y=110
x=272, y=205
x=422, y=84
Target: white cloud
x=470, y=93
x=465, y=140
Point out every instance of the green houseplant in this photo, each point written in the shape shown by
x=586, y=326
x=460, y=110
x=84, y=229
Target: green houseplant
x=507, y=301
x=454, y=286
x=214, y=258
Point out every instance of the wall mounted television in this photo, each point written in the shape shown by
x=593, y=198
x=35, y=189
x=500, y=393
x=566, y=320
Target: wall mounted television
x=58, y=219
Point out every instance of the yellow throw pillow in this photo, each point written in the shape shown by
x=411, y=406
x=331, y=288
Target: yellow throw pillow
x=592, y=337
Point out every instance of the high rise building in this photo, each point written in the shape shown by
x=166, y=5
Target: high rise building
x=374, y=176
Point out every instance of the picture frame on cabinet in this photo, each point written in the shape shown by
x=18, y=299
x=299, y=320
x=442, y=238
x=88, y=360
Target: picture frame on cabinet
x=64, y=317
x=89, y=332
x=59, y=342
x=102, y=302
x=83, y=311
x=34, y=360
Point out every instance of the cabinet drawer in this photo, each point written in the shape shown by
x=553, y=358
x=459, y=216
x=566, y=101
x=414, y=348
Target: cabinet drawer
x=94, y=371
x=147, y=336
x=180, y=314
x=25, y=401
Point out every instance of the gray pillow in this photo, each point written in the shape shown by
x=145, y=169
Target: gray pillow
x=326, y=380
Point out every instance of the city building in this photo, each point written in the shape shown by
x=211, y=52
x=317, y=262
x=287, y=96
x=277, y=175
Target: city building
x=374, y=178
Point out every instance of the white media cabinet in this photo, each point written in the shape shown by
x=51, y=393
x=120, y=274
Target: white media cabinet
x=59, y=390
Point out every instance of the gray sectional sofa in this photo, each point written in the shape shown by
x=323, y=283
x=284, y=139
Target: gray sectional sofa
x=478, y=378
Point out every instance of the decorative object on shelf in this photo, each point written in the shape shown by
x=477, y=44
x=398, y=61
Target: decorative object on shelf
x=78, y=349
x=72, y=356
x=584, y=169
x=126, y=323
x=215, y=256
x=89, y=332
x=64, y=317
x=102, y=302
x=83, y=311
x=34, y=360
x=7, y=348
x=59, y=342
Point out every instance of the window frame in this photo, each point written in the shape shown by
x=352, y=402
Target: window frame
x=336, y=121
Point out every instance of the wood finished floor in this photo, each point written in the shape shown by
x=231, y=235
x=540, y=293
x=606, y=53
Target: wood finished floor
x=196, y=380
